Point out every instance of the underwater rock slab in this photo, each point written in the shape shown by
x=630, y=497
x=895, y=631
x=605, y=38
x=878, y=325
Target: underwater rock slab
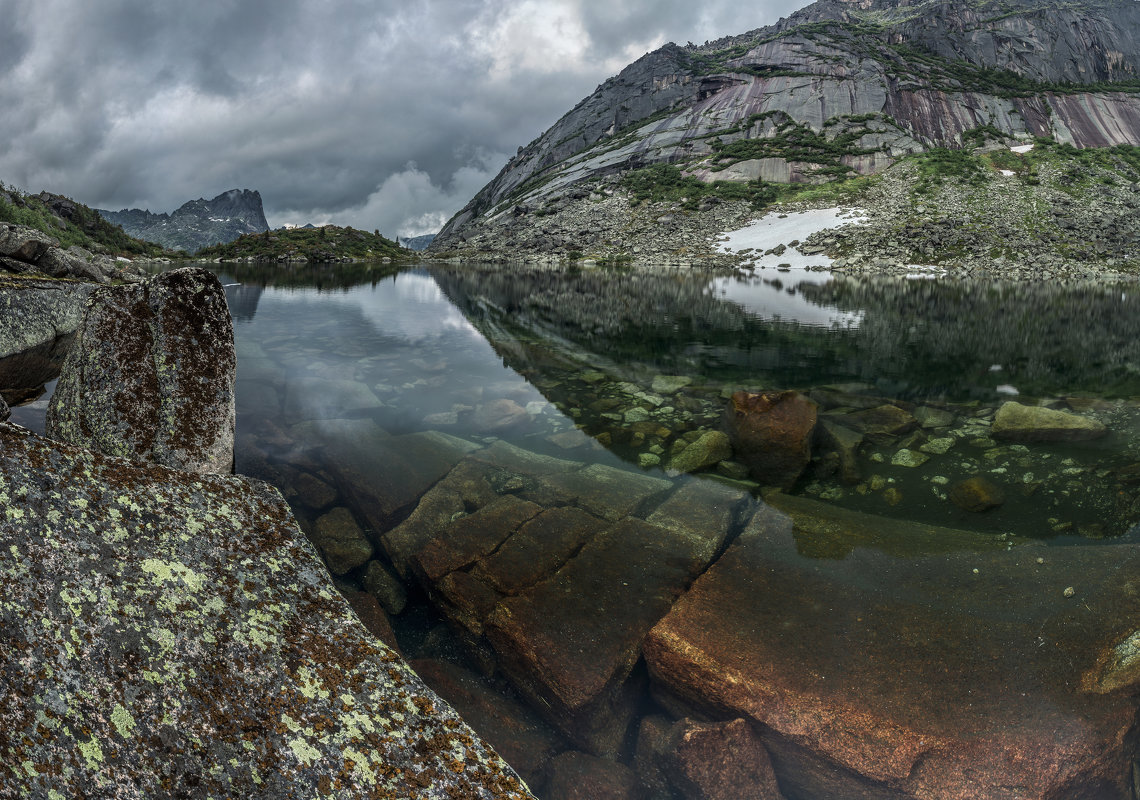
x=1015, y=422
x=953, y=675
x=173, y=634
x=150, y=375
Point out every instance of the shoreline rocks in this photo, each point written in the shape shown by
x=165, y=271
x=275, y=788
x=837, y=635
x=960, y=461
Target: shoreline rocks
x=151, y=374
x=172, y=633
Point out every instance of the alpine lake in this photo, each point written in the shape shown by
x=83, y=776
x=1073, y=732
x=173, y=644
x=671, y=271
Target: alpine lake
x=431, y=425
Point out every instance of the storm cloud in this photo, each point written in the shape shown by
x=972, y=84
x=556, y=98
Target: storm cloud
x=381, y=114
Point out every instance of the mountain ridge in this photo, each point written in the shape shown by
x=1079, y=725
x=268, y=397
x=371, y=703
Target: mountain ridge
x=838, y=89
x=196, y=224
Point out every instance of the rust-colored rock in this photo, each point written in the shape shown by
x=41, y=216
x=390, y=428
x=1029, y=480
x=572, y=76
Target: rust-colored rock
x=772, y=433
x=719, y=761
x=516, y=732
x=976, y=494
x=948, y=675
x=579, y=776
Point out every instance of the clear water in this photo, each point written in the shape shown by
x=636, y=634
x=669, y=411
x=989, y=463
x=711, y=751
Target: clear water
x=626, y=368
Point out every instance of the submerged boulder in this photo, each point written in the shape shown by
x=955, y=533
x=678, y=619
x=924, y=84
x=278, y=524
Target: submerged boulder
x=772, y=433
x=955, y=674
x=151, y=375
x=171, y=634
x=1015, y=422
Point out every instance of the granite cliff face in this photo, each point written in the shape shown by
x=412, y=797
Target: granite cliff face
x=841, y=88
x=198, y=223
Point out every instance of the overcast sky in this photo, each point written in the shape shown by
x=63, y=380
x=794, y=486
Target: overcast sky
x=388, y=114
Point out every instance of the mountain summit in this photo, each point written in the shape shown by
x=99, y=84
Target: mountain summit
x=198, y=223
x=840, y=88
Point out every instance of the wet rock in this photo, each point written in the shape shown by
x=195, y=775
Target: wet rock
x=928, y=678
x=472, y=537
x=516, y=732
x=197, y=595
x=5, y=412
x=372, y=616
x=845, y=443
x=909, y=458
x=976, y=494
x=772, y=433
x=150, y=375
x=880, y=424
x=385, y=477
x=711, y=448
x=499, y=415
x=313, y=492
x=341, y=541
x=938, y=447
x=933, y=417
x=1017, y=423
x=538, y=549
x=580, y=776
x=670, y=384
x=385, y=587
x=719, y=761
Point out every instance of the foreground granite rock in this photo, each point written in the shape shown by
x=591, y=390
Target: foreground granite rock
x=968, y=674
x=166, y=634
x=38, y=312
x=151, y=375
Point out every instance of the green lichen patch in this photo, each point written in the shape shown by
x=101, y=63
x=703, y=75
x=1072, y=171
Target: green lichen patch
x=172, y=634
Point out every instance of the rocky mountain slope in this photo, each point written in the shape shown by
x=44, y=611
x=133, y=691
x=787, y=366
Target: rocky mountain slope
x=841, y=89
x=198, y=223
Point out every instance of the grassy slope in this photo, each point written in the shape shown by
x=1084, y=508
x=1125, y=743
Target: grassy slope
x=315, y=244
x=86, y=228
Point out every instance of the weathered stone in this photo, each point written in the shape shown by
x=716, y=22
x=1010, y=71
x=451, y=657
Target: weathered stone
x=151, y=375
x=881, y=423
x=909, y=458
x=603, y=491
x=670, y=384
x=472, y=537
x=772, y=433
x=719, y=761
x=35, y=313
x=711, y=448
x=568, y=642
x=845, y=443
x=372, y=616
x=923, y=676
x=385, y=478
x=498, y=416
x=175, y=633
x=580, y=776
x=704, y=511
x=5, y=412
x=313, y=492
x=61, y=264
x=342, y=543
x=1017, y=423
x=385, y=587
x=933, y=417
x=976, y=494
x=825, y=530
x=23, y=243
x=537, y=549
x=517, y=733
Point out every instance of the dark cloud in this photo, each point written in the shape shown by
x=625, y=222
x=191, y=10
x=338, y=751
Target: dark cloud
x=384, y=114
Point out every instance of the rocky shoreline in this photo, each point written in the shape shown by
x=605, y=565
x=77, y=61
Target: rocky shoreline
x=1053, y=220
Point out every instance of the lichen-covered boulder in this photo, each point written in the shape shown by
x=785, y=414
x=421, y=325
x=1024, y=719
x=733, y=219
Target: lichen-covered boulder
x=38, y=312
x=169, y=634
x=151, y=375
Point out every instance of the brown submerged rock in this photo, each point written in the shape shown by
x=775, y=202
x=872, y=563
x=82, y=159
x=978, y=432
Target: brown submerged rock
x=976, y=494
x=772, y=433
x=954, y=675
